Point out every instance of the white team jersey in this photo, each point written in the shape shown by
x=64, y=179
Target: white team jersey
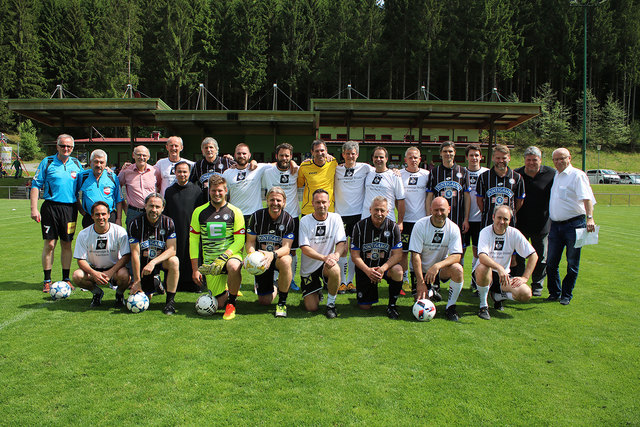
x=168, y=173
x=321, y=236
x=245, y=188
x=500, y=247
x=386, y=184
x=474, y=212
x=435, y=244
x=348, y=188
x=102, y=250
x=415, y=194
x=288, y=182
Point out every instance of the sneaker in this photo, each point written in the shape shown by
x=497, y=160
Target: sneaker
x=342, y=289
x=119, y=301
x=293, y=286
x=565, y=301
x=229, y=312
x=537, y=291
x=331, y=311
x=552, y=298
x=70, y=284
x=169, y=309
x=452, y=314
x=158, y=287
x=46, y=286
x=97, y=299
x=483, y=313
x=281, y=310
x=402, y=293
x=406, y=285
x=434, y=295
x=351, y=288
x=392, y=312
x=498, y=305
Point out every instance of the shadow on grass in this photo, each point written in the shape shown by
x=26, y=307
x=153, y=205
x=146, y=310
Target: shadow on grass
x=12, y=286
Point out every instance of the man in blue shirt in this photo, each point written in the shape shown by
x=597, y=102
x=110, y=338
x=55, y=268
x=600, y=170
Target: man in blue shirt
x=56, y=176
x=97, y=184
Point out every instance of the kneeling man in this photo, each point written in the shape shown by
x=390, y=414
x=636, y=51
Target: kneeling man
x=376, y=251
x=102, y=252
x=152, y=238
x=271, y=231
x=436, y=249
x=496, y=244
x=322, y=243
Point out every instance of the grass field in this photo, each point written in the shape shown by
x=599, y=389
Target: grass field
x=533, y=364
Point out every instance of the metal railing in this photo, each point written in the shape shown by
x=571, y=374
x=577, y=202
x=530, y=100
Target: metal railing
x=619, y=199
x=15, y=192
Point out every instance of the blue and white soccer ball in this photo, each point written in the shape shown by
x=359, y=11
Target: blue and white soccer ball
x=59, y=290
x=206, y=305
x=137, y=303
x=424, y=310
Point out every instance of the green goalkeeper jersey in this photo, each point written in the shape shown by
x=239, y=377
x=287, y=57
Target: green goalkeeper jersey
x=214, y=231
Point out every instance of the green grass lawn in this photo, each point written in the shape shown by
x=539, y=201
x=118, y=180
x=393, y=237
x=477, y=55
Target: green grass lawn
x=533, y=364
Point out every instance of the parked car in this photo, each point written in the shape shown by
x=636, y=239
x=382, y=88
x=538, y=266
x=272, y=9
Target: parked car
x=603, y=176
x=629, y=178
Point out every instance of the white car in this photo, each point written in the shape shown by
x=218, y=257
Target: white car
x=603, y=176
x=629, y=178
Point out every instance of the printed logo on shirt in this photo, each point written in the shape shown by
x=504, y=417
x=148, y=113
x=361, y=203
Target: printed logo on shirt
x=498, y=244
x=101, y=244
x=321, y=230
x=437, y=237
x=473, y=179
x=413, y=180
x=216, y=230
x=348, y=172
x=241, y=176
x=377, y=179
x=284, y=179
x=107, y=191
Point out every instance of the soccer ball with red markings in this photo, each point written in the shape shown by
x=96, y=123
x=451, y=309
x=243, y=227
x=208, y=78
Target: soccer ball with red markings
x=424, y=310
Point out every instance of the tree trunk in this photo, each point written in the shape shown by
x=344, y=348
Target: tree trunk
x=246, y=100
x=428, y=74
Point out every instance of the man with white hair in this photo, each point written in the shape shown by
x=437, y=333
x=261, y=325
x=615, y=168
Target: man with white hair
x=570, y=208
x=210, y=164
x=139, y=180
x=98, y=185
x=167, y=165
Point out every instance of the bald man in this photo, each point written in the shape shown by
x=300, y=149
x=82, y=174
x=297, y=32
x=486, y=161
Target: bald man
x=139, y=179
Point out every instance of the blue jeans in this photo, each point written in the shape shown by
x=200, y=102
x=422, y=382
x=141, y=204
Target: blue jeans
x=131, y=215
x=561, y=236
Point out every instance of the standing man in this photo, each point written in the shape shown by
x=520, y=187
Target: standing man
x=139, y=180
x=497, y=243
x=243, y=183
x=56, y=176
x=182, y=198
x=570, y=208
x=533, y=217
x=384, y=182
x=217, y=236
x=270, y=231
x=317, y=173
x=349, y=196
x=436, y=249
x=97, y=184
x=451, y=181
x=18, y=168
x=210, y=164
x=414, y=181
x=166, y=166
x=281, y=175
x=322, y=241
x=499, y=186
x=376, y=250
x=152, y=240
x=102, y=251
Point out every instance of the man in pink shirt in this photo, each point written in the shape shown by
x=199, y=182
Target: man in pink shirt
x=139, y=180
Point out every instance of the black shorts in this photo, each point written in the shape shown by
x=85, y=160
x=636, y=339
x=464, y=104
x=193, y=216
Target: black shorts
x=101, y=270
x=367, y=291
x=494, y=286
x=472, y=234
x=87, y=220
x=296, y=232
x=146, y=282
x=264, y=282
x=311, y=284
x=407, y=228
x=58, y=220
x=350, y=222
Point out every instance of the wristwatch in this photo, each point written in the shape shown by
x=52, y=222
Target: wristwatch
x=589, y=216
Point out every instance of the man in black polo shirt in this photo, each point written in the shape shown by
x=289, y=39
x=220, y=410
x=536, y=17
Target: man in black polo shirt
x=533, y=217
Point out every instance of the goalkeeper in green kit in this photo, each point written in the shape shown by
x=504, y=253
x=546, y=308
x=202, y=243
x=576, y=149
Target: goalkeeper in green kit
x=216, y=236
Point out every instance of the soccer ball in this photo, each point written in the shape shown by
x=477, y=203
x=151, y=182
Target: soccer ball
x=137, y=303
x=424, y=310
x=206, y=305
x=254, y=263
x=59, y=290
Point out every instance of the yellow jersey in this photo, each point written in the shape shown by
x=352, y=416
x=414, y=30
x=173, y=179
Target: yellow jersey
x=312, y=177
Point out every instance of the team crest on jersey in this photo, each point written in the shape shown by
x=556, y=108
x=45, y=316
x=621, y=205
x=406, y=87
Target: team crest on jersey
x=241, y=176
x=413, y=180
x=281, y=227
x=272, y=232
x=216, y=230
x=225, y=217
x=437, y=237
x=74, y=174
x=101, y=244
x=499, y=200
x=348, y=172
x=512, y=181
x=473, y=179
x=173, y=170
x=321, y=230
x=284, y=179
x=107, y=191
x=386, y=233
x=162, y=232
x=498, y=244
x=220, y=166
x=459, y=175
x=376, y=179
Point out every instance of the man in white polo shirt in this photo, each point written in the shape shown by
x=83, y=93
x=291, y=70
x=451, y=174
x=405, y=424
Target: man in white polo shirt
x=245, y=184
x=167, y=165
x=570, y=208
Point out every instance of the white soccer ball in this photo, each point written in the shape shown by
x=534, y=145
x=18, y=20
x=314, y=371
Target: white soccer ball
x=137, y=303
x=206, y=305
x=59, y=290
x=254, y=263
x=424, y=310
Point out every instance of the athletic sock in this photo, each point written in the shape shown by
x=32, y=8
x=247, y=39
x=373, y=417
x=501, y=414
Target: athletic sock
x=170, y=296
x=501, y=296
x=352, y=271
x=395, y=286
x=232, y=299
x=282, y=297
x=331, y=299
x=474, y=263
x=47, y=275
x=294, y=265
x=483, y=291
x=96, y=290
x=454, y=292
x=405, y=275
x=342, y=263
x=65, y=273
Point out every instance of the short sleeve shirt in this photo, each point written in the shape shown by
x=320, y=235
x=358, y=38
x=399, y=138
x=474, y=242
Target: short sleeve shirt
x=434, y=244
x=102, y=250
x=245, y=188
x=152, y=238
x=386, y=184
x=269, y=232
x=415, y=194
x=57, y=179
x=474, y=211
x=569, y=190
x=167, y=170
x=497, y=190
x=322, y=236
x=213, y=231
x=202, y=170
x=92, y=190
x=500, y=247
x=288, y=182
x=138, y=185
x=375, y=244
x=349, y=188
x=313, y=177
x=450, y=183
